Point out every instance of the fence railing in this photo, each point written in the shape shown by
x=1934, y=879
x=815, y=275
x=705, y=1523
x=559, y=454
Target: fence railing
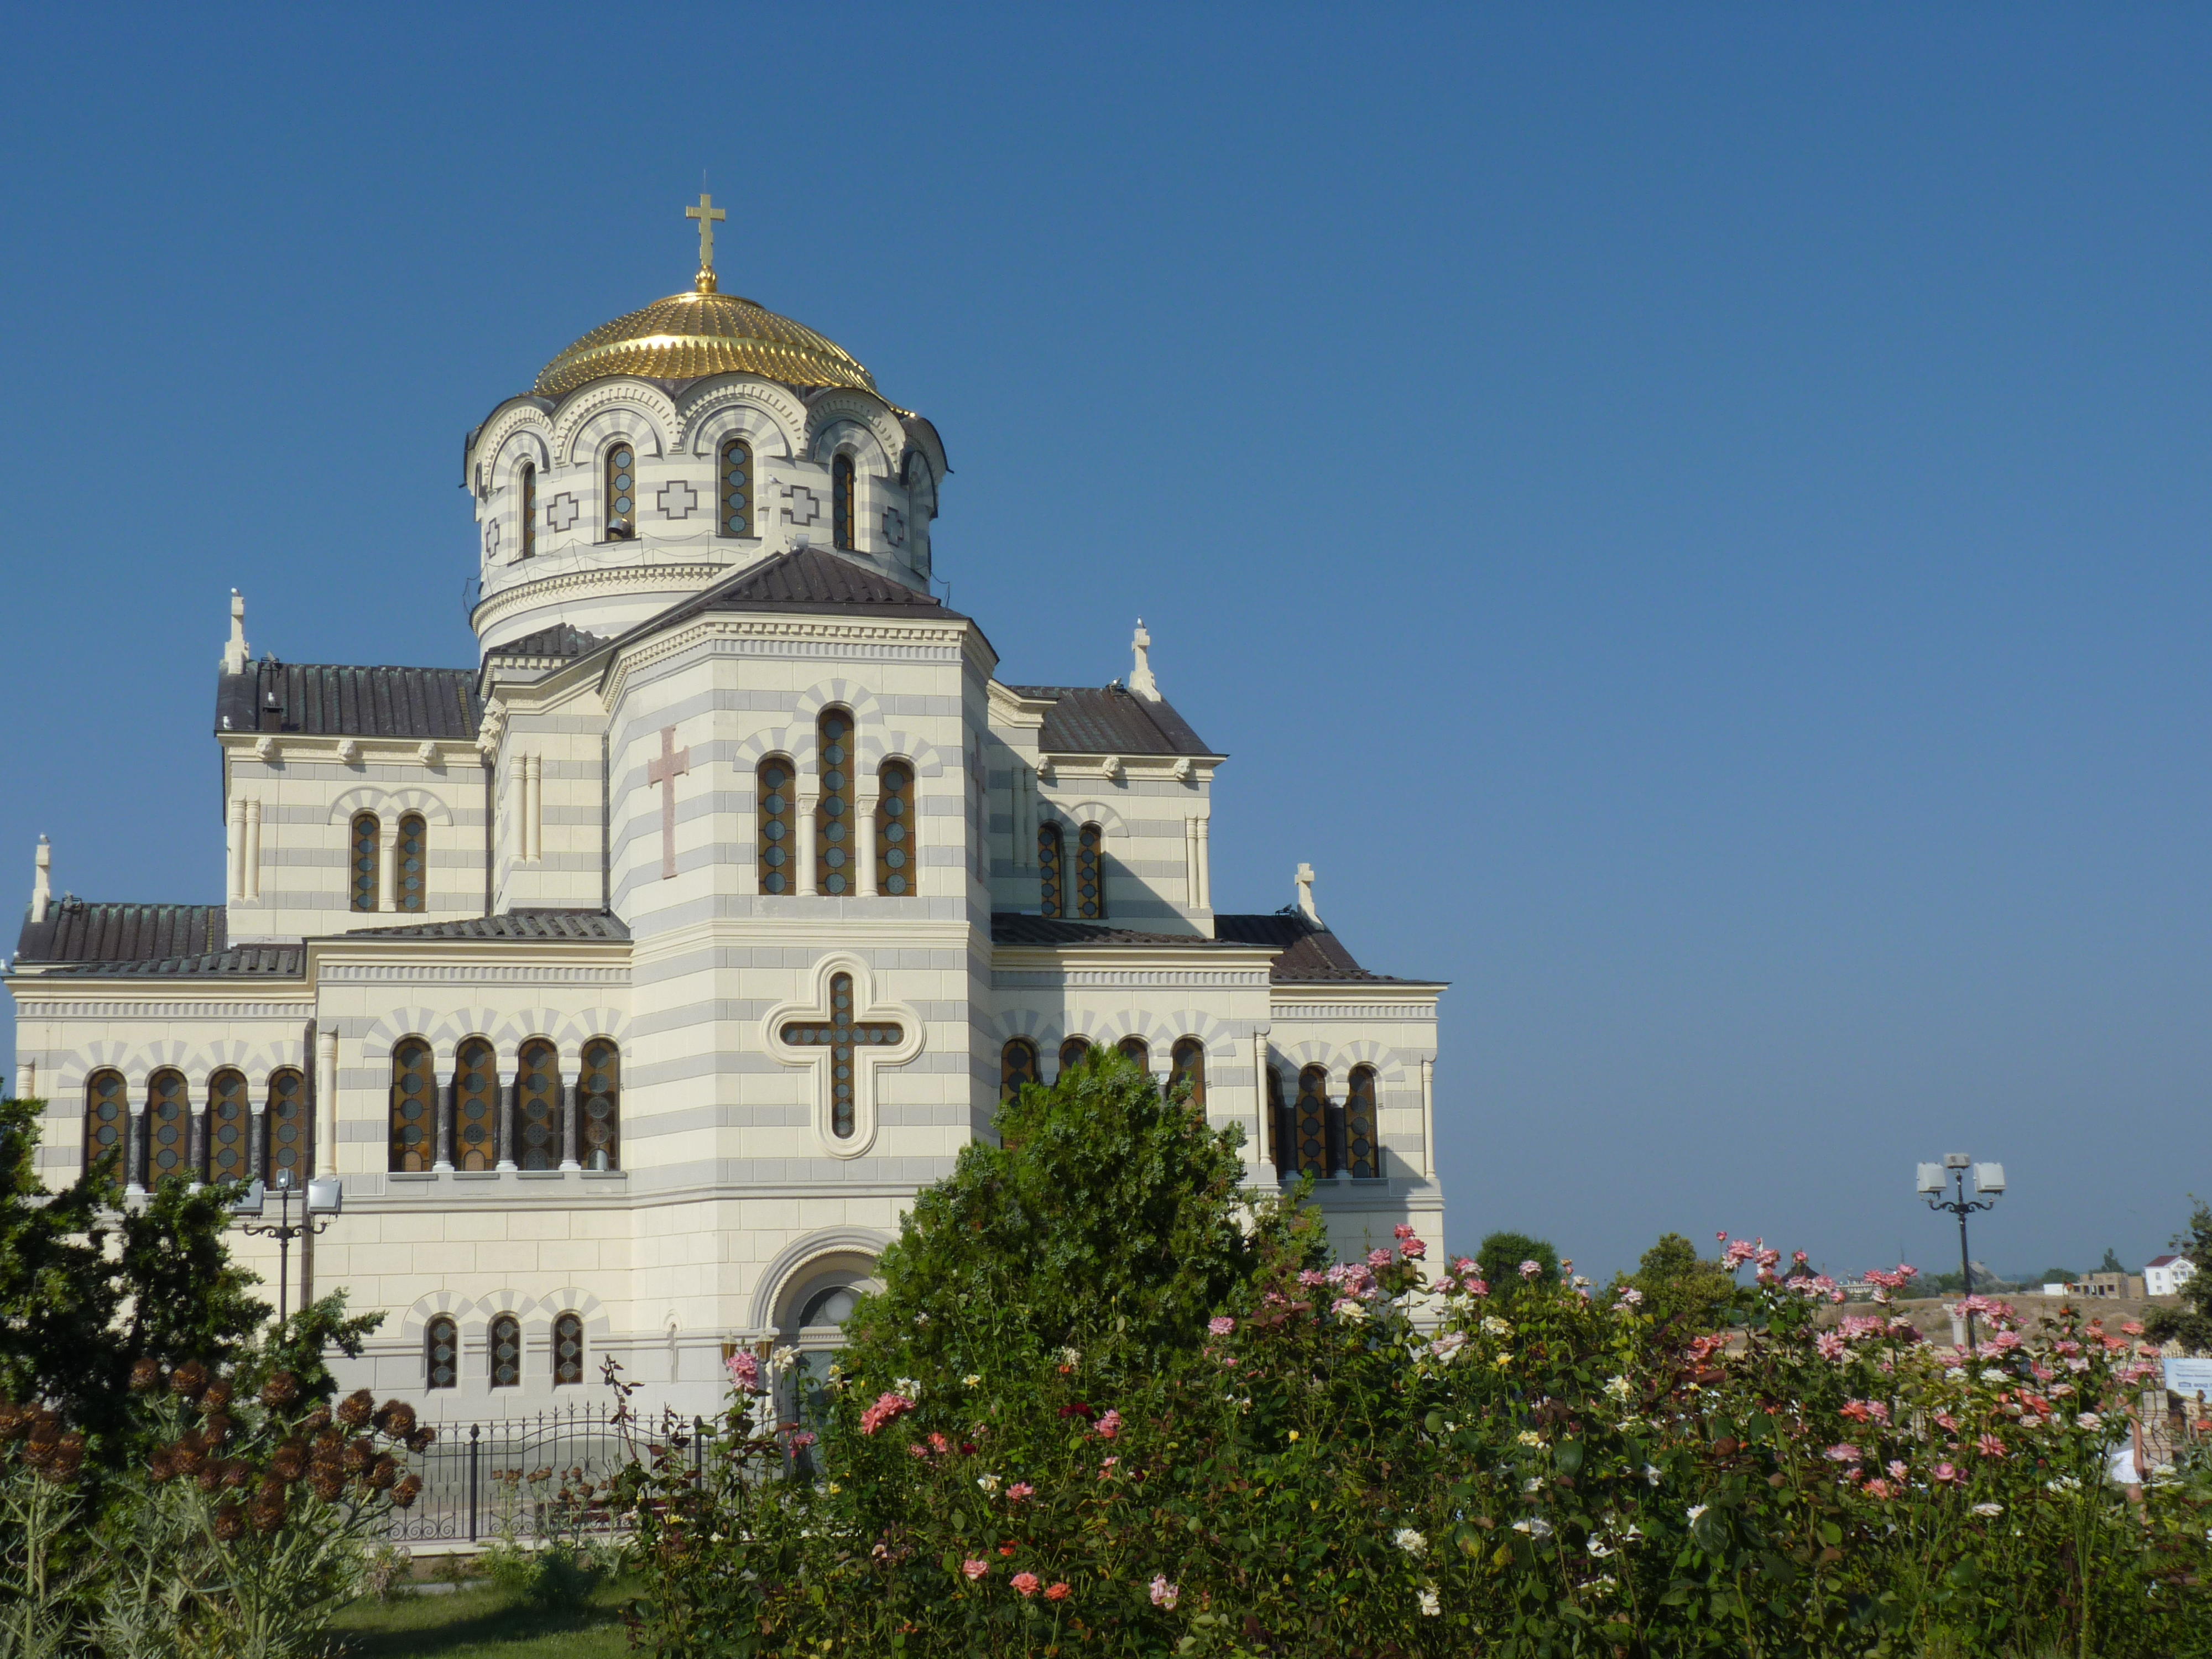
x=525, y=1477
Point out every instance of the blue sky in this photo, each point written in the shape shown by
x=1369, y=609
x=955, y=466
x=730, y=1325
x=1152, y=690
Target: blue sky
x=1693, y=519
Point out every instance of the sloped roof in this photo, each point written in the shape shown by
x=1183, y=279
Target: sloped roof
x=1011, y=927
x=339, y=700
x=254, y=961
x=1307, y=954
x=77, y=930
x=511, y=924
x=1110, y=721
x=814, y=579
x=559, y=641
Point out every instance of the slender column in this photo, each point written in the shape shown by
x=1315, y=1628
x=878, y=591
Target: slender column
x=326, y=1102
x=569, y=1146
x=234, y=847
x=443, y=1164
x=506, y=1120
x=387, y=855
x=533, y=808
x=1190, y=862
x=253, y=871
x=196, y=1138
x=256, y=1143
x=1206, y=863
x=1258, y=1155
x=864, y=832
x=134, y=1151
x=807, y=888
x=1429, y=1119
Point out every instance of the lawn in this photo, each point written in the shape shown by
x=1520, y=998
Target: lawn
x=481, y=1624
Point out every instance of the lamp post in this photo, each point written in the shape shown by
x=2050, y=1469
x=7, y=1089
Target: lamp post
x=325, y=1197
x=1989, y=1186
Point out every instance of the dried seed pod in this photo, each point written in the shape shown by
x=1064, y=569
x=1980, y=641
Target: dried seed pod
x=356, y=1408
x=407, y=1491
x=396, y=1418
x=236, y=1472
x=229, y=1524
x=280, y=1390
x=66, y=1459
x=268, y=1509
x=219, y=1393
x=359, y=1455
x=317, y=1420
x=420, y=1440
x=160, y=1465
x=325, y=1482
x=189, y=1380
x=289, y=1462
x=215, y=1428
x=328, y=1440
x=14, y=1420
x=210, y=1475
x=382, y=1473
x=146, y=1376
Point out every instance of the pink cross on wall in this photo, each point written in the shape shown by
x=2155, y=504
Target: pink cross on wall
x=672, y=764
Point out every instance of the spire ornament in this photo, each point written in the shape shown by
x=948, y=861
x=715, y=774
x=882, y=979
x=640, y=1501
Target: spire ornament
x=708, y=215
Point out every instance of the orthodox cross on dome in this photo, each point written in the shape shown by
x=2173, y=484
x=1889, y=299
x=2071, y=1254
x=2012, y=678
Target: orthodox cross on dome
x=1306, y=880
x=671, y=764
x=707, y=213
x=1140, y=677
x=840, y=1035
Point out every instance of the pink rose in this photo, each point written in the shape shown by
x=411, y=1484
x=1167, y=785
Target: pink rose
x=1058, y=1592
x=1026, y=1582
x=1220, y=1325
x=1164, y=1593
x=1378, y=1258
x=974, y=1569
x=1018, y=1491
x=744, y=1367
x=1109, y=1425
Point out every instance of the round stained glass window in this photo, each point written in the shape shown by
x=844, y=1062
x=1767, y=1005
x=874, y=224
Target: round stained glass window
x=895, y=885
x=737, y=521
x=833, y=781
x=895, y=858
x=774, y=884
x=775, y=857
x=621, y=504
x=894, y=832
x=834, y=883
x=833, y=832
x=774, y=831
x=835, y=858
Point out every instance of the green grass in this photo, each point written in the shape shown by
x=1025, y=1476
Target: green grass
x=481, y=1624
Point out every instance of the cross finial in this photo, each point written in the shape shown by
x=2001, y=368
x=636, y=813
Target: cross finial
x=1306, y=880
x=1140, y=677
x=707, y=213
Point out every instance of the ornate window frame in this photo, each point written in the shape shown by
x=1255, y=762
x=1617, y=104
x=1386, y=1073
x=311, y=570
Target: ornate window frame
x=868, y=1003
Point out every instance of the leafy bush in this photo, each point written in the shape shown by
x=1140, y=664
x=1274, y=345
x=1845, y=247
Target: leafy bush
x=1502, y=1260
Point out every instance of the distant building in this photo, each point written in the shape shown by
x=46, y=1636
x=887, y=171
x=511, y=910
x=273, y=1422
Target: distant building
x=2165, y=1275
x=2103, y=1285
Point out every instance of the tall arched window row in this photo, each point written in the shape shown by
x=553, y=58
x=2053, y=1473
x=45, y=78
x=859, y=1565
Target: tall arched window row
x=1363, y=1152
x=106, y=1121
x=411, y=886
x=1187, y=1065
x=527, y=483
x=366, y=850
x=1051, y=891
x=442, y=1353
x=1089, y=874
x=169, y=1126
x=505, y=1341
x=1311, y=1125
x=737, y=487
x=1279, y=1132
x=414, y=1107
x=895, y=848
x=779, y=817
x=834, y=846
x=475, y=1106
x=841, y=504
x=538, y=1106
x=567, y=1350
x=598, y=1105
x=1072, y=1051
x=622, y=493
x=285, y=1125
x=1137, y=1050
x=1017, y=1067
x=230, y=1128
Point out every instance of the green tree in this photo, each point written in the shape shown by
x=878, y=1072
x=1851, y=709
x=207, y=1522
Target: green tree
x=1500, y=1255
x=2111, y=1264
x=1677, y=1285
x=2059, y=1276
x=2190, y=1324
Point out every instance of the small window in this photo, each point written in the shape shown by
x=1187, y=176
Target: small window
x=525, y=483
x=475, y=1106
x=737, y=483
x=441, y=1354
x=1051, y=894
x=1279, y=1133
x=622, y=493
x=1361, y=1152
x=169, y=1126
x=1312, y=1121
x=1090, y=874
x=107, y=1120
x=1072, y=1051
x=1187, y=1065
x=410, y=884
x=229, y=1126
x=538, y=1106
x=1137, y=1050
x=567, y=1350
x=505, y=1341
x=779, y=842
x=833, y=814
x=841, y=490
x=286, y=1126
x=367, y=833
x=1017, y=1067
x=414, y=1107
x=598, y=1105
x=895, y=849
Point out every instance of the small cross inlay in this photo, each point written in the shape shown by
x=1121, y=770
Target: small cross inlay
x=841, y=1036
x=672, y=764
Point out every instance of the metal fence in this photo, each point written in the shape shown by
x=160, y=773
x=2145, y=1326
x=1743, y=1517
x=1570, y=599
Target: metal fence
x=525, y=1477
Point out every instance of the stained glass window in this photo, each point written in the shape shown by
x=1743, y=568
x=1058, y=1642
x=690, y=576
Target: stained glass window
x=475, y=1106
x=538, y=1106
x=1017, y=1067
x=778, y=839
x=895, y=849
x=410, y=879
x=286, y=1126
x=1311, y=1125
x=414, y=1106
x=505, y=1344
x=1072, y=1051
x=1188, y=1065
x=622, y=493
x=442, y=1353
x=841, y=490
x=841, y=1035
x=567, y=1350
x=737, y=483
x=1050, y=892
x=107, y=1120
x=366, y=832
x=598, y=1105
x=169, y=1126
x=1361, y=1151
x=229, y=1156
x=526, y=482
x=1137, y=1049
x=1278, y=1130
x=1090, y=878
x=835, y=860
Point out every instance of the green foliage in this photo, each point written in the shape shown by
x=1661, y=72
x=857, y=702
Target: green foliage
x=2191, y=1323
x=2111, y=1264
x=1500, y=1255
x=559, y=1577
x=1679, y=1287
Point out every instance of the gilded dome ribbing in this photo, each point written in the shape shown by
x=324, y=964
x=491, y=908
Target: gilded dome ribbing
x=701, y=332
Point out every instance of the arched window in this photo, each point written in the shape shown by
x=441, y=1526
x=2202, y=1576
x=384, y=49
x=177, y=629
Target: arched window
x=1017, y=1067
x=840, y=492
x=107, y=1120
x=834, y=846
x=414, y=1107
x=442, y=1353
x=737, y=483
x=779, y=841
x=286, y=1126
x=1279, y=1135
x=366, y=834
x=598, y=1105
x=230, y=1156
x=567, y=1350
x=1137, y=1050
x=475, y=1106
x=1187, y=1065
x=525, y=481
x=1090, y=877
x=896, y=870
x=505, y=1341
x=411, y=879
x=538, y=1106
x=832, y=1307
x=1072, y=1051
x=1312, y=1121
x=169, y=1126
x=1362, y=1154
x=1051, y=894
x=622, y=493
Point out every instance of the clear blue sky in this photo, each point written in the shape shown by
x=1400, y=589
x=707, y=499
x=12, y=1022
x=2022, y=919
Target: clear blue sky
x=1693, y=519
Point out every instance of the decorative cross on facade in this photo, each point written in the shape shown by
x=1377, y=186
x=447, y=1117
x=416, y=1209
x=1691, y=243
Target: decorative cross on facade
x=672, y=764
x=707, y=213
x=841, y=1036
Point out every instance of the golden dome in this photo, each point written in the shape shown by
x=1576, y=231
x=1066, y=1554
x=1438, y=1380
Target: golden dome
x=703, y=332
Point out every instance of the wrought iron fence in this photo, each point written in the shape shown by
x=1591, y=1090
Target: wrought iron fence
x=525, y=1477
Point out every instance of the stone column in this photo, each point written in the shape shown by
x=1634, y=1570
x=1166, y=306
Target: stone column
x=252, y=864
x=1259, y=1153
x=134, y=1150
x=807, y=886
x=569, y=1145
x=1206, y=863
x=326, y=1102
x=387, y=855
x=506, y=1092
x=442, y=1111
x=234, y=847
x=864, y=832
x=1429, y=1119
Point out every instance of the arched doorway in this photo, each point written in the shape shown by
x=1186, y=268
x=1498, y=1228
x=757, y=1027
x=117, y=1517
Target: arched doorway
x=811, y=1318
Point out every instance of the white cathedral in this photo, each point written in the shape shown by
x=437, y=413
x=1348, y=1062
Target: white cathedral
x=631, y=982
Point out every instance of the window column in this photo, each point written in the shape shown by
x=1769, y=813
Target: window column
x=387, y=848
x=134, y=1148
x=252, y=870
x=568, y=1141
x=863, y=832
x=442, y=1108
x=806, y=805
x=509, y=1083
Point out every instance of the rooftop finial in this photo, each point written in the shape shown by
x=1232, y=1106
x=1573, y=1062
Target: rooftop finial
x=707, y=213
x=235, y=653
x=42, y=880
x=1140, y=677
x=1306, y=880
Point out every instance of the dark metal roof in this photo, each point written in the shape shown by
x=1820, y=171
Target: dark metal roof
x=511, y=924
x=1110, y=721
x=254, y=961
x=76, y=930
x=334, y=700
x=1011, y=927
x=559, y=641
x=1306, y=954
x=810, y=578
